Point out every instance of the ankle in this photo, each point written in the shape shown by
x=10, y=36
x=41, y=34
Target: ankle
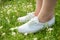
x=36, y=13
x=45, y=19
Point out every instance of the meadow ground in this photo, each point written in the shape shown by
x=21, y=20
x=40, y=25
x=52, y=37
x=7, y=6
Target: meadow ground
x=11, y=10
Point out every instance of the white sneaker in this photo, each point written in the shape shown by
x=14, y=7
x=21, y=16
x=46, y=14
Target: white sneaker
x=26, y=18
x=34, y=25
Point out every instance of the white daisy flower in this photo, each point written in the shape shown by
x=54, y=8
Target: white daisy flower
x=6, y=6
x=13, y=34
x=8, y=12
x=13, y=16
x=46, y=37
x=10, y=5
x=1, y=27
x=14, y=7
x=24, y=7
x=12, y=29
x=7, y=20
x=18, y=1
x=15, y=27
x=1, y=11
x=57, y=14
x=3, y=34
x=15, y=10
x=4, y=9
x=29, y=6
x=26, y=34
x=34, y=38
x=50, y=29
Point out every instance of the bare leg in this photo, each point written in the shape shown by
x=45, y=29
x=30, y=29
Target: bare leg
x=47, y=10
x=38, y=6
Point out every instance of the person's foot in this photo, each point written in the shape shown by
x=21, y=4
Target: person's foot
x=27, y=17
x=34, y=25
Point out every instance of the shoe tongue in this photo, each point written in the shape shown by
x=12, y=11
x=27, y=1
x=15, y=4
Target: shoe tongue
x=31, y=14
x=34, y=21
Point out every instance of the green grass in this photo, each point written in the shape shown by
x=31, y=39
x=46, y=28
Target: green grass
x=11, y=10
